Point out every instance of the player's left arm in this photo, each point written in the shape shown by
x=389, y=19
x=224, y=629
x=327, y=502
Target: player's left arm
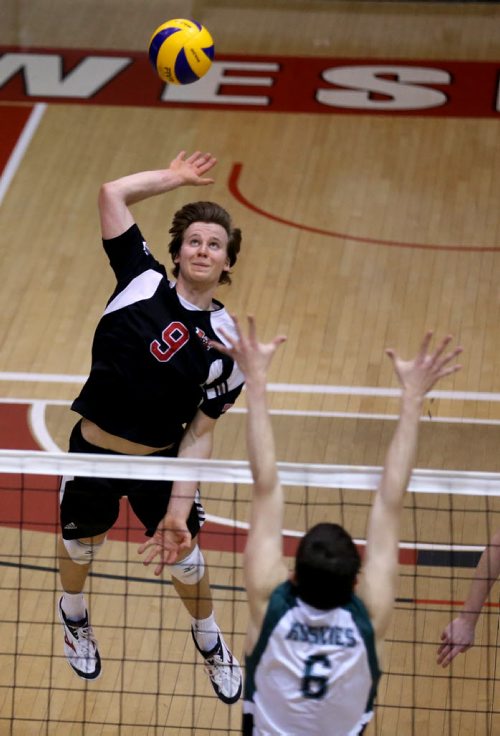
x=196, y=444
x=264, y=565
x=172, y=534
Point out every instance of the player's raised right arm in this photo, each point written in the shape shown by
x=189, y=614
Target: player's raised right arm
x=264, y=565
x=115, y=197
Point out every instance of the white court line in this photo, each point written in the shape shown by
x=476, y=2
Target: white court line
x=39, y=427
x=304, y=388
x=52, y=402
x=280, y=412
x=22, y=144
x=244, y=525
x=292, y=388
x=42, y=377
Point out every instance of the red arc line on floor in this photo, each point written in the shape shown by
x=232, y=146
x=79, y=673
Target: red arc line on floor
x=233, y=185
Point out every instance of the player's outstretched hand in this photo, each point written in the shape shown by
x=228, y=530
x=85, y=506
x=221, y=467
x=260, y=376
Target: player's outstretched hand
x=457, y=637
x=170, y=538
x=191, y=169
x=253, y=357
x=427, y=368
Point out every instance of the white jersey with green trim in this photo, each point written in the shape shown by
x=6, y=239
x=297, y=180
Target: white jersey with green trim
x=311, y=672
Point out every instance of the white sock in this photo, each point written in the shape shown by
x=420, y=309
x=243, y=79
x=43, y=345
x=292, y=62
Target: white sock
x=73, y=606
x=206, y=632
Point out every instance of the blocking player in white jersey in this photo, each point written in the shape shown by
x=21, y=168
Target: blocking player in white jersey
x=314, y=639
x=156, y=387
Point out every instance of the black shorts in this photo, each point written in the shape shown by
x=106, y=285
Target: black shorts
x=90, y=506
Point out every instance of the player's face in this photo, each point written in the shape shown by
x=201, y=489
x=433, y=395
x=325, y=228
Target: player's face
x=202, y=257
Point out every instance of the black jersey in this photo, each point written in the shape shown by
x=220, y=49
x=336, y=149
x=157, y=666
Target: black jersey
x=152, y=367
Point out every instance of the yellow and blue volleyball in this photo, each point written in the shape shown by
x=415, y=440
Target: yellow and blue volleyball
x=181, y=51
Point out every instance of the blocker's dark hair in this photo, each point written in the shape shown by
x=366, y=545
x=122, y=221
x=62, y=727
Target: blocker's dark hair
x=326, y=566
x=204, y=212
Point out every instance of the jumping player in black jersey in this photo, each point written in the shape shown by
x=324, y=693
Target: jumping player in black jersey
x=156, y=387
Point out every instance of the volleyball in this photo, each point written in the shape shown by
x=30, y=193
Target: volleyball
x=181, y=51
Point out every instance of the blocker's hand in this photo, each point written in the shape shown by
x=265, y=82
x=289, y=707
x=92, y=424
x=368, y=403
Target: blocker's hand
x=419, y=375
x=253, y=357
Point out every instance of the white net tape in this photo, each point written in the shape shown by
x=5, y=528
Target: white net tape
x=365, y=478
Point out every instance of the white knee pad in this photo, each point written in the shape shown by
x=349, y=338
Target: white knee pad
x=82, y=552
x=191, y=569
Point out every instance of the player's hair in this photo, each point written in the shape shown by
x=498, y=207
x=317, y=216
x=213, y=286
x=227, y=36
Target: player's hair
x=204, y=212
x=326, y=566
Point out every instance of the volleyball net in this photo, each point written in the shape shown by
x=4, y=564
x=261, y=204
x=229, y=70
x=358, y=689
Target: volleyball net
x=153, y=680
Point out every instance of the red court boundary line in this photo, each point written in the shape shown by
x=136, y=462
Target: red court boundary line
x=233, y=185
